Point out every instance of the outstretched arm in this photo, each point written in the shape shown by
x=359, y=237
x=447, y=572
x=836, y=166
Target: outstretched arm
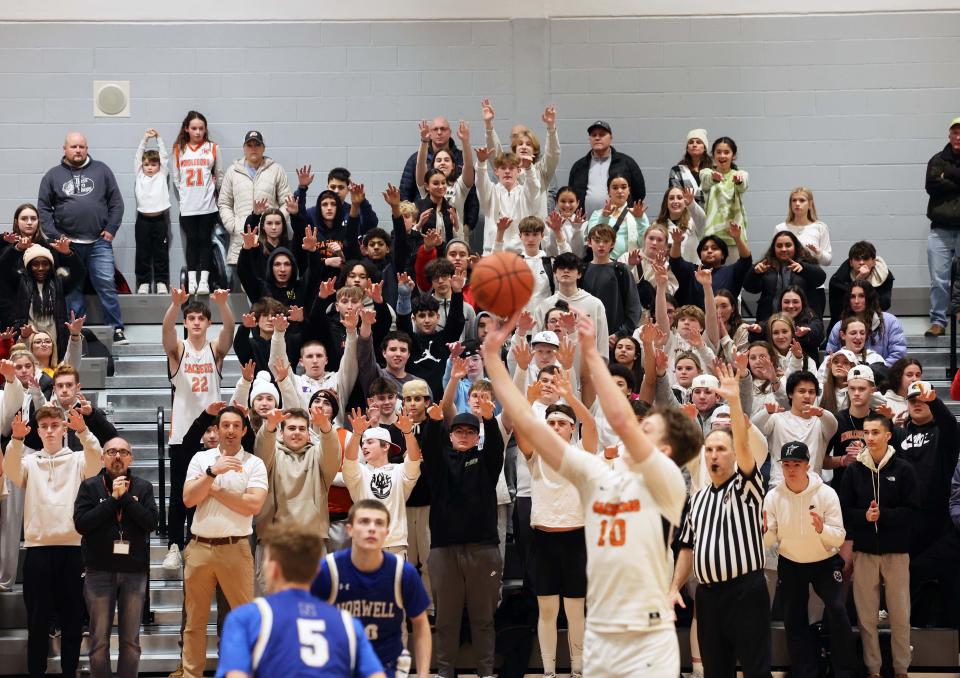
x=730, y=391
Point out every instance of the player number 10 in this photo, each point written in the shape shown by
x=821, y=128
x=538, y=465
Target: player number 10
x=612, y=531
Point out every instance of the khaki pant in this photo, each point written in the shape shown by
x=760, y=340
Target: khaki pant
x=205, y=566
x=418, y=542
x=893, y=569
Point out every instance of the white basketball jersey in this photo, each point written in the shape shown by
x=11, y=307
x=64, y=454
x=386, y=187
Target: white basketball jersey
x=196, y=177
x=196, y=384
x=629, y=564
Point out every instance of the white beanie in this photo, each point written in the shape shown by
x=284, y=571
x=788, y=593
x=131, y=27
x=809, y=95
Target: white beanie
x=262, y=384
x=700, y=134
x=35, y=251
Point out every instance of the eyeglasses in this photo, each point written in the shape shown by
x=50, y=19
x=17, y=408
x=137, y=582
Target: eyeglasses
x=117, y=452
x=43, y=341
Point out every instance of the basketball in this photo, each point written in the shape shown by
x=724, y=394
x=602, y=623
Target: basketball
x=501, y=283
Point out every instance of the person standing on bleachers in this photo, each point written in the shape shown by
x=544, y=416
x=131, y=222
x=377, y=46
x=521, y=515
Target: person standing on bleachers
x=80, y=198
x=943, y=211
x=195, y=368
x=52, y=570
x=115, y=512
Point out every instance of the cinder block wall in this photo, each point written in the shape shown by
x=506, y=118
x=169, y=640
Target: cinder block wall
x=851, y=105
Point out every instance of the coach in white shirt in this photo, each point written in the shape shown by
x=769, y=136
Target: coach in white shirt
x=228, y=486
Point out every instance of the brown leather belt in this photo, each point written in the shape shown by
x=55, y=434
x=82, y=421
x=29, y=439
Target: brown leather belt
x=219, y=541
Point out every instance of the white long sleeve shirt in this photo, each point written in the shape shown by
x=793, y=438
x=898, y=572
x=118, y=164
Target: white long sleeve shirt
x=784, y=427
x=496, y=202
x=153, y=193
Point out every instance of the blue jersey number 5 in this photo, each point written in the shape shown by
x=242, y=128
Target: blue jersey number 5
x=314, y=650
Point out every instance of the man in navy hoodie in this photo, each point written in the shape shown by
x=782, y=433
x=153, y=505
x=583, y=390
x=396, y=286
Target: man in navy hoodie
x=80, y=199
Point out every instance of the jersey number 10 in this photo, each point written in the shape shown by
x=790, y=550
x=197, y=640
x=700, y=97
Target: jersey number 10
x=314, y=650
x=612, y=531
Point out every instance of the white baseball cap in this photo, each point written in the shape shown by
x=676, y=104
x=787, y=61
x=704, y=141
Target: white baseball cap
x=861, y=372
x=546, y=337
x=705, y=381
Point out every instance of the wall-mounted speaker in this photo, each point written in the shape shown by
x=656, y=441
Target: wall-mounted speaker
x=111, y=98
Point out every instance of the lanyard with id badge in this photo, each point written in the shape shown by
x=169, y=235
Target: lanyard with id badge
x=120, y=547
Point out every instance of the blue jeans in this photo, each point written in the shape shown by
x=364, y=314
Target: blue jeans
x=104, y=592
x=943, y=244
x=97, y=258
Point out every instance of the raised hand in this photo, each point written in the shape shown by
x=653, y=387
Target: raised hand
x=404, y=280
x=20, y=428
x=391, y=195
x=425, y=217
x=75, y=326
x=327, y=288
x=772, y=408
x=690, y=410
x=260, y=206
x=586, y=332
x=549, y=116
x=522, y=354
x=648, y=332
x=729, y=384
x=704, y=276
x=75, y=421
x=801, y=331
x=607, y=208
x=375, y=290
x=455, y=348
x=716, y=176
x=463, y=132
x=357, y=194
x=319, y=419
x=248, y=371
x=213, y=409
x=795, y=267
x=86, y=409
x=295, y=314
x=534, y=391
x=435, y=412
x=525, y=323
x=497, y=338
x=61, y=245
x=578, y=218
x=310, y=242
x=663, y=360
x=368, y=316
x=762, y=266
x=454, y=219
x=483, y=154
x=554, y=222
x=458, y=368
x=432, y=238
x=564, y=386
x=568, y=322
x=565, y=353
x=293, y=207
x=251, y=238
x=487, y=112
x=885, y=410
x=404, y=424
x=350, y=319
x=280, y=323
x=457, y=281
x=7, y=370
x=179, y=296
x=305, y=176
x=424, y=127
x=738, y=178
x=742, y=361
x=358, y=422
x=634, y=257
x=688, y=195
x=639, y=209
x=735, y=230
x=486, y=408
x=11, y=237
x=796, y=349
x=220, y=296
x=26, y=331
x=275, y=418
x=660, y=274
x=811, y=411
x=926, y=395
x=249, y=320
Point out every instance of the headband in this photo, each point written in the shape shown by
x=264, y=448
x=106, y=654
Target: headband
x=560, y=415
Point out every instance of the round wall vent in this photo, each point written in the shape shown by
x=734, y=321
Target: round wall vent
x=111, y=99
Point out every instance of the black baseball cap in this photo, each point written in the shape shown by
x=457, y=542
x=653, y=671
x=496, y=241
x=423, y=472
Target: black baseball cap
x=253, y=135
x=471, y=347
x=795, y=451
x=603, y=124
x=465, y=419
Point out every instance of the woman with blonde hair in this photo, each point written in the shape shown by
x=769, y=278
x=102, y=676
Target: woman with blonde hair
x=802, y=221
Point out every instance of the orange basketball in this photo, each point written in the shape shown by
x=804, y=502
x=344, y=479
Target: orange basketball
x=501, y=283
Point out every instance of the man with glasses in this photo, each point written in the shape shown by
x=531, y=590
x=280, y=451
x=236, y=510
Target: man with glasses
x=52, y=568
x=115, y=512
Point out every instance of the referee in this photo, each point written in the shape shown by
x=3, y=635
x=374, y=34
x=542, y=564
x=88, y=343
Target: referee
x=722, y=539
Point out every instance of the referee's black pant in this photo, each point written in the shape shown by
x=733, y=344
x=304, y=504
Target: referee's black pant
x=826, y=578
x=733, y=623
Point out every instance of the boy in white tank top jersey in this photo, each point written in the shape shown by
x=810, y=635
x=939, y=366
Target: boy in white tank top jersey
x=194, y=367
x=629, y=629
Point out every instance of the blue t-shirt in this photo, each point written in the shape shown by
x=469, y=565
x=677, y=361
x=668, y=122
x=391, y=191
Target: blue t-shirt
x=378, y=599
x=295, y=635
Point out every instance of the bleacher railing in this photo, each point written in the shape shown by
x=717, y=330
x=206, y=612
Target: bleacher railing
x=162, y=473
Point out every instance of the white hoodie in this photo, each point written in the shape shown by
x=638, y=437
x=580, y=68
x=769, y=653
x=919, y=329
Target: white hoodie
x=789, y=522
x=50, y=483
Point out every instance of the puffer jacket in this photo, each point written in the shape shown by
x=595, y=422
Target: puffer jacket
x=238, y=193
x=943, y=187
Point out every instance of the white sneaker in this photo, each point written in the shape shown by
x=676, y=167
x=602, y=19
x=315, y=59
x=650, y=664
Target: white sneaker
x=162, y=289
x=191, y=282
x=203, y=287
x=144, y=288
x=172, y=560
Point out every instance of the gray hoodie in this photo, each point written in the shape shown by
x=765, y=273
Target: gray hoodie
x=80, y=202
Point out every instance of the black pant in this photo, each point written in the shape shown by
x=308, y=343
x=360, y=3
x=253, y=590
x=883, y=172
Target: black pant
x=152, y=263
x=935, y=584
x=53, y=583
x=523, y=538
x=733, y=622
x=198, y=240
x=827, y=580
x=177, y=513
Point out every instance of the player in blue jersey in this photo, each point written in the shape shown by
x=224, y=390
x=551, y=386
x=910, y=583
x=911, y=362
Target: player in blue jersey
x=378, y=588
x=290, y=633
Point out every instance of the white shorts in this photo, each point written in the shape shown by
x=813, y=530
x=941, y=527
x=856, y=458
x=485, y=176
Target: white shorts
x=651, y=654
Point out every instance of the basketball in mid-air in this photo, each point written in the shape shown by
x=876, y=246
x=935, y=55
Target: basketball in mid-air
x=501, y=283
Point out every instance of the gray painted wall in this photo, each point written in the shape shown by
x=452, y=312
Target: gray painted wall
x=850, y=105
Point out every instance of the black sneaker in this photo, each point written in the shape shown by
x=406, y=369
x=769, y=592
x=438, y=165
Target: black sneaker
x=119, y=338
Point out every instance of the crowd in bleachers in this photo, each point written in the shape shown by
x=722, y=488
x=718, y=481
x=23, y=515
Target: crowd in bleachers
x=811, y=448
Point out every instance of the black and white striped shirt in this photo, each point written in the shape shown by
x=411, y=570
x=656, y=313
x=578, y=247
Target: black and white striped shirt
x=724, y=529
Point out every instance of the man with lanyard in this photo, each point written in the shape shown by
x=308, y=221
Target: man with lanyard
x=378, y=589
x=722, y=539
x=290, y=632
x=115, y=512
